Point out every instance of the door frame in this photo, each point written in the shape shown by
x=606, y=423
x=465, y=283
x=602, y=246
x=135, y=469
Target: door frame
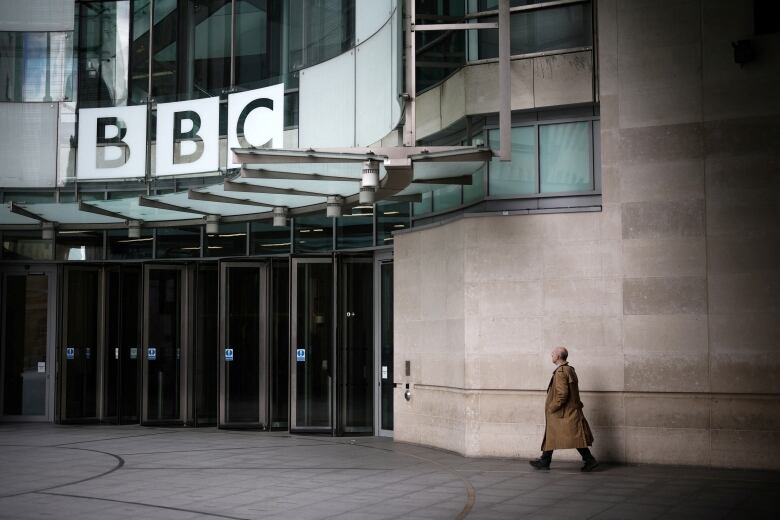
x=294, y=263
x=184, y=291
x=52, y=371
x=380, y=258
x=263, y=357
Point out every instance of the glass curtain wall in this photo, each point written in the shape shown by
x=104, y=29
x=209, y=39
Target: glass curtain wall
x=544, y=29
x=36, y=66
x=198, y=51
x=102, y=49
x=439, y=53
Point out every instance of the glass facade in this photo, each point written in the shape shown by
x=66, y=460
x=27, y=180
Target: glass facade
x=439, y=53
x=561, y=27
x=518, y=176
x=102, y=53
x=565, y=158
x=36, y=66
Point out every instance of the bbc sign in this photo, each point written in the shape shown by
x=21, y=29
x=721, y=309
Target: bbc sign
x=112, y=141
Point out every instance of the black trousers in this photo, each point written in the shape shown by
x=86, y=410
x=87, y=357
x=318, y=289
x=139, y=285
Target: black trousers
x=584, y=452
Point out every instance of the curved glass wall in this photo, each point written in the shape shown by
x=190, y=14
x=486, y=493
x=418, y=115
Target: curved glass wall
x=205, y=48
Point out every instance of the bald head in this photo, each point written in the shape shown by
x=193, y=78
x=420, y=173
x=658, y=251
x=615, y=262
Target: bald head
x=559, y=355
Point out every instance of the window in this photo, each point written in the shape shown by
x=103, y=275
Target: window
x=268, y=239
x=36, y=66
x=547, y=29
x=548, y=159
x=565, y=158
x=103, y=53
x=517, y=177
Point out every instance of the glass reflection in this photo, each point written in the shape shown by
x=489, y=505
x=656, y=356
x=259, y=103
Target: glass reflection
x=544, y=30
x=319, y=30
x=564, y=157
x=79, y=245
x=121, y=247
x=230, y=241
x=313, y=234
x=103, y=53
x=26, y=245
x=178, y=242
x=258, y=42
x=356, y=229
x=24, y=386
x=36, y=66
x=391, y=216
x=268, y=239
x=518, y=176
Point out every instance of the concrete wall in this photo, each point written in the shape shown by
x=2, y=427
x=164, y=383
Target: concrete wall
x=669, y=298
x=539, y=82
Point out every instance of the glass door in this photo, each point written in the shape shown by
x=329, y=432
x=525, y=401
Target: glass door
x=384, y=345
x=279, y=345
x=244, y=356
x=121, y=358
x=163, y=357
x=312, y=341
x=80, y=351
x=27, y=344
x=356, y=344
x=206, y=389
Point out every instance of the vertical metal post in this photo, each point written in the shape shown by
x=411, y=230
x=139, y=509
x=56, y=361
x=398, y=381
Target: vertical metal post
x=149, y=54
x=150, y=51
x=410, y=47
x=232, y=43
x=504, y=80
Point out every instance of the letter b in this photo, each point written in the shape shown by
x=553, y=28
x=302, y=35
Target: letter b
x=111, y=150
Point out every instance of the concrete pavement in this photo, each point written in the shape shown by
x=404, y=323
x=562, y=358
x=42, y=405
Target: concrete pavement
x=118, y=472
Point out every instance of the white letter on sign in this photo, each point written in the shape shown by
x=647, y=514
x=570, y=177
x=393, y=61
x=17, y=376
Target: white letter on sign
x=188, y=137
x=112, y=143
x=256, y=119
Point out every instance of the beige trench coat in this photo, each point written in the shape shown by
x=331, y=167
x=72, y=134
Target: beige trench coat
x=565, y=426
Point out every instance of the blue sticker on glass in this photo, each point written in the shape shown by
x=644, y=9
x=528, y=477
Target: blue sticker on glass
x=70, y=352
x=151, y=353
x=228, y=354
x=300, y=354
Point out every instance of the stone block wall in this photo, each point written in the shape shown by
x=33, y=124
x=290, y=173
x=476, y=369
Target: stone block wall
x=669, y=298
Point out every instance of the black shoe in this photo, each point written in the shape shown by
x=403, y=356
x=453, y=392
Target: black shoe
x=540, y=463
x=590, y=465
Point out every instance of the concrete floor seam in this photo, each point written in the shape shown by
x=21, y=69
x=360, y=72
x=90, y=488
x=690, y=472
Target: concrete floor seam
x=129, y=502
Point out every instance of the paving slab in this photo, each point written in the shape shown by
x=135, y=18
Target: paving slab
x=123, y=472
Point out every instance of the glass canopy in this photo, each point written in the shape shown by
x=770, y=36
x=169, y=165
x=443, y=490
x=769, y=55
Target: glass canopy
x=300, y=181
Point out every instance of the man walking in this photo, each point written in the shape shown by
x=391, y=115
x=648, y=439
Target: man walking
x=565, y=424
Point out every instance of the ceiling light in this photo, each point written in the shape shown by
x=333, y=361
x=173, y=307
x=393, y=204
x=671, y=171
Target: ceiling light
x=134, y=229
x=333, y=208
x=366, y=195
x=370, y=174
x=47, y=230
x=212, y=224
x=280, y=216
